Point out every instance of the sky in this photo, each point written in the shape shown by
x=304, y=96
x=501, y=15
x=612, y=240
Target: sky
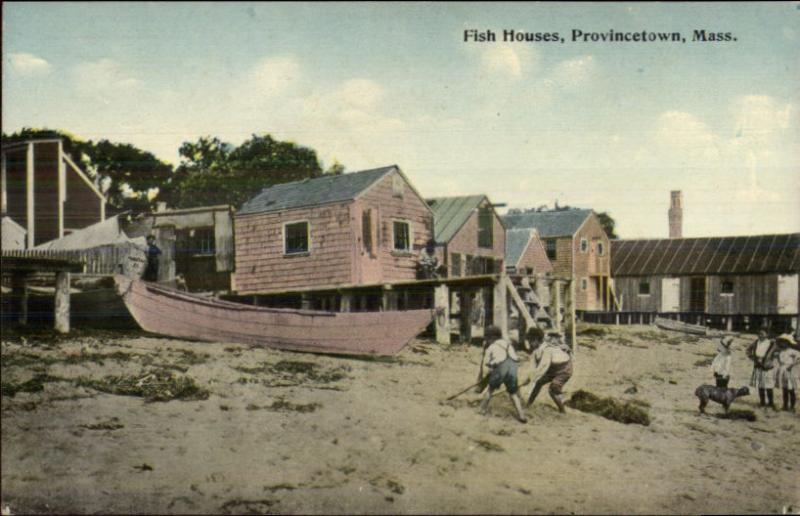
x=610, y=126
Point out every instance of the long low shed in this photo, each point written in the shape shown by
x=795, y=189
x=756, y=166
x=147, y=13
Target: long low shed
x=747, y=275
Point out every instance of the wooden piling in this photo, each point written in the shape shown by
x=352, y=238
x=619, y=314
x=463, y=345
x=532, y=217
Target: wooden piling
x=19, y=293
x=569, y=316
x=465, y=317
x=62, y=302
x=555, y=296
x=501, y=306
x=441, y=303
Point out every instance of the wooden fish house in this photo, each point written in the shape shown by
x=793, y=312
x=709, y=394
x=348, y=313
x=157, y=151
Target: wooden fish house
x=525, y=253
x=309, y=241
x=744, y=282
x=45, y=192
x=578, y=247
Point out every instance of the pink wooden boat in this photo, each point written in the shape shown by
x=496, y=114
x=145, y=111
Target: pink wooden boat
x=177, y=314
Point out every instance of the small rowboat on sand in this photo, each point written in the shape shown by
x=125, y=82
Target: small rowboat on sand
x=161, y=310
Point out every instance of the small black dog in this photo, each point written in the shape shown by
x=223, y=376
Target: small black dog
x=721, y=395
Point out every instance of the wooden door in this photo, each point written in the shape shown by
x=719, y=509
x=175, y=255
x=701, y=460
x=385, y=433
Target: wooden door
x=697, y=294
x=670, y=295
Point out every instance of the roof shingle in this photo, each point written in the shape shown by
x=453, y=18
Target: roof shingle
x=701, y=256
x=549, y=223
x=311, y=192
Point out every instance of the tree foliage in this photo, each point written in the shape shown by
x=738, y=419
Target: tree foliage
x=215, y=172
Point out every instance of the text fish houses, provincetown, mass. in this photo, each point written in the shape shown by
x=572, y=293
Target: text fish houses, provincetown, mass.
x=580, y=36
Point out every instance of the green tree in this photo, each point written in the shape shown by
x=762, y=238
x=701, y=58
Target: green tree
x=214, y=172
x=609, y=224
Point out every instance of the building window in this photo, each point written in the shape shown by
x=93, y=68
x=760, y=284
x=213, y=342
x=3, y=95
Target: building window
x=296, y=237
x=469, y=265
x=727, y=287
x=402, y=236
x=366, y=230
x=485, y=227
x=199, y=242
x=584, y=245
x=550, y=248
x=600, y=248
x=584, y=283
x=644, y=288
x=398, y=186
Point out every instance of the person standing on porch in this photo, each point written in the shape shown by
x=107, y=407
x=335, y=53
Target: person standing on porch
x=153, y=254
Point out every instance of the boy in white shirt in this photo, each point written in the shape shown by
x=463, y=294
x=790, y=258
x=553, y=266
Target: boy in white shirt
x=499, y=366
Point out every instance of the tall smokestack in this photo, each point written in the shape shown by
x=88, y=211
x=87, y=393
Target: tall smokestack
x=676, y=214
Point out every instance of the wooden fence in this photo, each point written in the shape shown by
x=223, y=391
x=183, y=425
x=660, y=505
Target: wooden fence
x=107, y=259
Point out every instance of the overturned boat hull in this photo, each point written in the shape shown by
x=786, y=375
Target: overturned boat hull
x=177, y=314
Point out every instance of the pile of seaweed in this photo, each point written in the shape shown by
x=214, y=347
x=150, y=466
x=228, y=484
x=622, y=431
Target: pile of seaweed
x=622, y=412
x=735, y=414
x=157, y=385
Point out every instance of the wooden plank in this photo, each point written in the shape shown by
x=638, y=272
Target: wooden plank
x=519, y=303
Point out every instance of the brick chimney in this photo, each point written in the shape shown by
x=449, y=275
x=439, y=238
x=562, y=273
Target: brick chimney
x=676, y=214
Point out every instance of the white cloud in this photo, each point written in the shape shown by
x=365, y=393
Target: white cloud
x=684, y=130
x=761, y=114
x=498, y=59
x=274, y=75
x=104, y=76
x=573, y=72
x=25, y=64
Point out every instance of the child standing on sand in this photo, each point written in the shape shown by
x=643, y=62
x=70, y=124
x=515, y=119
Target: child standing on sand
x=786, y=377
x=721, y=366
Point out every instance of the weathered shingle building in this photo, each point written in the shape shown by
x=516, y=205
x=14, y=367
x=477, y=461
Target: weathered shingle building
x=45, y=192
x=525, y=253
x=577, y=246
x=745, y=275
x=470, y=236
x=360, y=228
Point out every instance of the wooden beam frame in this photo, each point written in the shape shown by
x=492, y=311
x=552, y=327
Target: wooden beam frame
x=29, y=185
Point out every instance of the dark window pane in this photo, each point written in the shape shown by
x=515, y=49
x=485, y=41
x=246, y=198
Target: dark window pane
x=401, y=236
x=297, y=237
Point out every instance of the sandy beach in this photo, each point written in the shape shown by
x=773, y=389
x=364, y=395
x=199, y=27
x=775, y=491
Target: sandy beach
x=266, y=431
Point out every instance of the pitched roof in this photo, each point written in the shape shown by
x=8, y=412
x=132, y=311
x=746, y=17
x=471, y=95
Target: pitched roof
x=450, y=213
x=700, y=256
x=311, y=192
x=549, y=223
x=517, y=241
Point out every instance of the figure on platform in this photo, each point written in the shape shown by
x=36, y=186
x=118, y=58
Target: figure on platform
x=153, y=254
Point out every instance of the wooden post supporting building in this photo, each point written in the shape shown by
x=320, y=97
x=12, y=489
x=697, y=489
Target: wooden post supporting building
x=569, y=316
x=441, y=303
x=501, y=306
